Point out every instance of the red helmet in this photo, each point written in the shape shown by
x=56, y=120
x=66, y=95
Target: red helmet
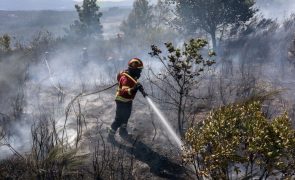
x=135, y=63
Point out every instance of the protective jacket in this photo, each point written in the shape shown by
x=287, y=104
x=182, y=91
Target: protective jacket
x=124, y=91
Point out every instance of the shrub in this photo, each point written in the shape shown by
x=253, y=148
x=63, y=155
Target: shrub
x=239, y=139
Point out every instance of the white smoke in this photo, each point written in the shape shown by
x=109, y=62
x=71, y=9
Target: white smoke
x=276, y=9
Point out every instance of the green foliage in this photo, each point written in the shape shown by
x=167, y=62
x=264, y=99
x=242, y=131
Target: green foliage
x=89, y=19
x=239, y=136
x=5, y=42
x=59, y=162
x=212, y=15
x=183, y=67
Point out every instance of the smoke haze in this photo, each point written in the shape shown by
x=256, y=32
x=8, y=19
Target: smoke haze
x=41, y=76
x=276, y=9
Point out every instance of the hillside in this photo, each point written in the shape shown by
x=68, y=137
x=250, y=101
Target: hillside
x=22, y=25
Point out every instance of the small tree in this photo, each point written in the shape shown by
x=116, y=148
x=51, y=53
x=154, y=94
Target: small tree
x=5, y=42
x=183, y=68
x=89, y=19
x=213, y=15
x=239, y=140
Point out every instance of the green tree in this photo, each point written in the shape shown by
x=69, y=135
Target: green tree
x=89, y=19
x=139, y=19
x=5, y=42
x=240, y=137
x=183, y=67
x=212, y=15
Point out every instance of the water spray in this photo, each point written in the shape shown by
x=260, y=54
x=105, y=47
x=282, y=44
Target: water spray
x=163, y=120
x=168, y=127
x=50, y=74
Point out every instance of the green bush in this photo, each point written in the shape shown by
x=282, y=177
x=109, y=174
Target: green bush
x=239, y=140
x=5, y=42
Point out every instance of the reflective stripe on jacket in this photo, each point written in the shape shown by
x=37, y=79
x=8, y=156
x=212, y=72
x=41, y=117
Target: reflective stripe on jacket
x=126, y=83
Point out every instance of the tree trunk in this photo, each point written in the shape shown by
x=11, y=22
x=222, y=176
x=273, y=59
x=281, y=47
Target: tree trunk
x=179, y=115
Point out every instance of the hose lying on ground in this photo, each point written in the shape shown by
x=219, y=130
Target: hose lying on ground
x=68, y=107
x=79, y=95
x=87, y=94
x=67, y=110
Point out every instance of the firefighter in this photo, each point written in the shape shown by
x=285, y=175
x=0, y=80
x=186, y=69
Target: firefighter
x=127, y=89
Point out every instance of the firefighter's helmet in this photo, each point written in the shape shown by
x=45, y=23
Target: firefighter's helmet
x=135, y=63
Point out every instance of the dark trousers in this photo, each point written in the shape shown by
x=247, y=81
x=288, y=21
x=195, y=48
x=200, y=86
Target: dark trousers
x=123, y=113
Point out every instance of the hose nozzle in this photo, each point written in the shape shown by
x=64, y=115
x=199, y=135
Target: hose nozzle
x=143, y=92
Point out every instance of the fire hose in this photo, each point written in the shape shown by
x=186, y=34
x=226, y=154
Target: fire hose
x=88, y=94
x=83, y=94
x=102, y=90
x=162, y=118
x=141, y=89
x=63, y=92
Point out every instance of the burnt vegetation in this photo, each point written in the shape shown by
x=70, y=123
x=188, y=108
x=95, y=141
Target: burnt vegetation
x=221, y=72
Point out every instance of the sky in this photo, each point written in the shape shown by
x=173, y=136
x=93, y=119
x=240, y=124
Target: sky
x=103, y=0
x=53, y=4
x=269, y=8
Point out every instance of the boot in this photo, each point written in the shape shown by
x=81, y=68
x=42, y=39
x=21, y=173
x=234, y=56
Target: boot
x=123, y=130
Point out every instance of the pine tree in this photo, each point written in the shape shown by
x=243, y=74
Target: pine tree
x=5, y=42
x=89, y=19
x=139, y=19
x=211, y=15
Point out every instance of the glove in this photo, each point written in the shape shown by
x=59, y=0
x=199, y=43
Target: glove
x=143, y=93
x=137, y=87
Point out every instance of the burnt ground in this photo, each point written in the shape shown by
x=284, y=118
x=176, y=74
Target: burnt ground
x=158, y=164
x=155, y=155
